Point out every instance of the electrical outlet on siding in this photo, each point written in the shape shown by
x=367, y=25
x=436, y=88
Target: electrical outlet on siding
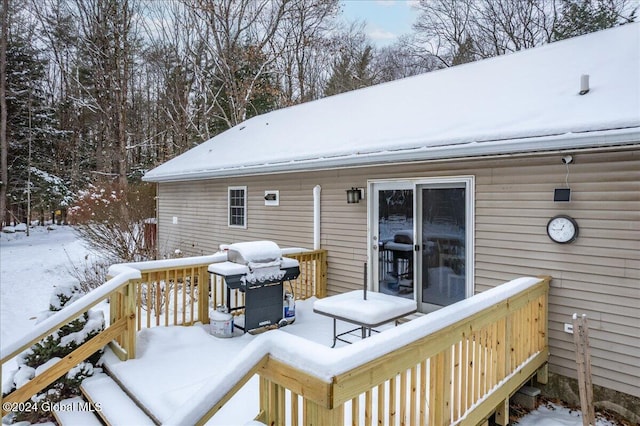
x=175, y=220
x=568, y=328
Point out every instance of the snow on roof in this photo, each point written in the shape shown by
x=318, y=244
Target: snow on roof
x=521, y=102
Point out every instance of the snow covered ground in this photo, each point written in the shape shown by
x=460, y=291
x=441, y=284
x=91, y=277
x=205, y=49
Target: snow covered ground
x=30, y=267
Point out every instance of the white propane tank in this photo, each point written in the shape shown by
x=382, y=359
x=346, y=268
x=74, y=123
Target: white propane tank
x=221, y=322
x=289, y=314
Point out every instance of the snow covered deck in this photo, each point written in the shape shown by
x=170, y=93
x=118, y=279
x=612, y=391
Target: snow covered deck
x=196, y=358
x=453, y=366
x=460, y=364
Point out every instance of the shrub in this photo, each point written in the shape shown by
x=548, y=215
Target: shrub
x=112, y=220
x=54, y=347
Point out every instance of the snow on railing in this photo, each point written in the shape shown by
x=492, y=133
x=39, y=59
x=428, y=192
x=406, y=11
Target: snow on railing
x=163, y=264
x=325, y=364
x=69, y=312
x=122, y=289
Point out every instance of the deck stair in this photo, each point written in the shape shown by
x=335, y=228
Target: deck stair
x=113, y=404
x=75, y=412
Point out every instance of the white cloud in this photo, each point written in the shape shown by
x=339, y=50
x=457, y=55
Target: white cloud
x=386, y=3
x=380, y=34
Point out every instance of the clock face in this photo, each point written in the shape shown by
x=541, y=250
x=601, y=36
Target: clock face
x=562, y=229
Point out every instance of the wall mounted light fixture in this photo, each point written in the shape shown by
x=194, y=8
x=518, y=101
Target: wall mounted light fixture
x=354, y=195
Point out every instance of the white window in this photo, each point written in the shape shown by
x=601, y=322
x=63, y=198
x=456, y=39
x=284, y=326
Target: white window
x=237, y=206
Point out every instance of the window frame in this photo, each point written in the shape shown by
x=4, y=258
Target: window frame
x=230, y=207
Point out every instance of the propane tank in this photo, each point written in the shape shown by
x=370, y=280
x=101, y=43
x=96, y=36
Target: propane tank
x=289, y=308
x=221, y=322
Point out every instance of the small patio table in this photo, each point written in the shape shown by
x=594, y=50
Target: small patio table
x=352, y=307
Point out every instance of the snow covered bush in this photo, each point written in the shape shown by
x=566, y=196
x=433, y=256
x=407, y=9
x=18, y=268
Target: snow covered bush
x=112, y=220
x=53, y=348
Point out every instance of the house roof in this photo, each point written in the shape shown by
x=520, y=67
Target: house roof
x=522, y=102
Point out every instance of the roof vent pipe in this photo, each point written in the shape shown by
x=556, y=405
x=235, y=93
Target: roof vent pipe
x=584, y=84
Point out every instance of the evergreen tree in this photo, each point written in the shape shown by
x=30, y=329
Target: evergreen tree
x=465, y=53
x=56, y=346
x=252, y=78
x=352, y=70
x=31, y=124
x=580, y=17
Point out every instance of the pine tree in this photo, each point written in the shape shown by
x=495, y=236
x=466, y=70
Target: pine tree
x=465, y=53
x=31, y=123
x=352, y=70
x=580, y=17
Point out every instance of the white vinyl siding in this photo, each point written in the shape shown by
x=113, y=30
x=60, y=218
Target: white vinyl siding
x=597, y=275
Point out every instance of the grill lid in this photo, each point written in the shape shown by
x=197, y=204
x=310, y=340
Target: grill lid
x=255, y=264
x=254, y=252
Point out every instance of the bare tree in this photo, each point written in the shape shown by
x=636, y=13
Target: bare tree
x=353, y=65
x=400, y=60
x=443, y=28
x=505, y=26
x=458, y=31
x=237, y=61
x=108, y=37
x=175, y=52
x=303, y=49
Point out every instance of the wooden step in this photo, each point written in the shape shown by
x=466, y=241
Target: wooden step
x=112, y=403
x=75, y=412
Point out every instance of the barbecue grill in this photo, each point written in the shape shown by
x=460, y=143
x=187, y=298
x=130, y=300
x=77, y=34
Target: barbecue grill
x=258, y=270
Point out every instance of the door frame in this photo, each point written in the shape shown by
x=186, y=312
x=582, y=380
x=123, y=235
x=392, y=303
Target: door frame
x=416, y=184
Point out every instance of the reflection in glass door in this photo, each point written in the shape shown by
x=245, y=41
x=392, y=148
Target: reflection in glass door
x=442, y=229
x=393, y=239
x=421, y=233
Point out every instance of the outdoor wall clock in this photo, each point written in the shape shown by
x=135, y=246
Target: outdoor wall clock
x=562, y=229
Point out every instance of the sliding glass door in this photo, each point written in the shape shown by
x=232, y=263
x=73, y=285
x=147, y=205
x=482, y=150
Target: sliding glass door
x=442, y=258
x=393, y=238
x=421, y=239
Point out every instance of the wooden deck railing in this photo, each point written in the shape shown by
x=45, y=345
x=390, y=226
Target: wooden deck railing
x=142, y=295
x=181, y=293
x=122, y=326
x=454, y=366
x=311, y=282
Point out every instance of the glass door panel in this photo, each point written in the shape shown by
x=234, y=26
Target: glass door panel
x=393, y=240
x=442, y=224
x=421, y=234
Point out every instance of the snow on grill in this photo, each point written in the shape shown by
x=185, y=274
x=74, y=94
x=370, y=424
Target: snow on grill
x=258, y=269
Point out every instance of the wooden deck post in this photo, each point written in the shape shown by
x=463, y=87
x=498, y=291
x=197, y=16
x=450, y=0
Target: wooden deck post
x=542, y=375
x=502, y=413
x=317, y=415
x=129, y=305
x=321, y=275
x=203, y=294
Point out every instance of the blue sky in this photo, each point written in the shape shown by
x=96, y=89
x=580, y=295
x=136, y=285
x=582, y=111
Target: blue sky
x=386, y=19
